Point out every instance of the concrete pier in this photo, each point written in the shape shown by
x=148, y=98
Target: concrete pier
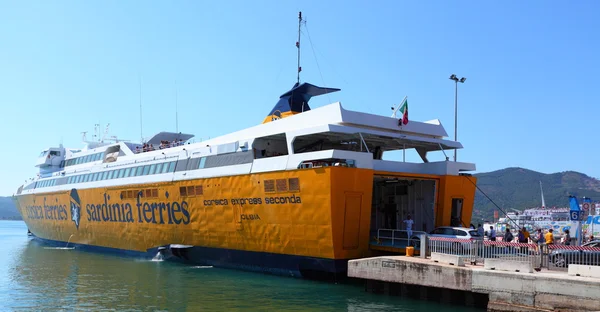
x=505, y=291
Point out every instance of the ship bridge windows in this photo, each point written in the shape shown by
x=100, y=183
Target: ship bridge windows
x=82, y=159
x=328, y=141
x=270, y=146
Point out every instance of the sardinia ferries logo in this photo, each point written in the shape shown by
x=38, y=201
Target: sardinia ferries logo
x=75, y=207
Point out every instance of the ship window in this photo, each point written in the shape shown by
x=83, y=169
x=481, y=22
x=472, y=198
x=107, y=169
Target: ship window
x=148, y=193
x=270, y=146
x=158, y=168
x=126, y=174
x=110, y=175
x=183, y=191
x=94, y=177
x=202, y=162
x=84, y=178
x=199, y=190
x=132, y=173
x=55, y=153
x=69, y=180
x=154, y=192
x=138, y=170
x=269, y=186
x=152, y=168
x=165, y=168
x=294, y=184
x=121, y=173
x=281, y=185
x=104, y=174
x=172, y=167
x=130, y=194
x=191, y=191
x=85, y=159
x=98, y=156
x=146, y=169
x=74, y=179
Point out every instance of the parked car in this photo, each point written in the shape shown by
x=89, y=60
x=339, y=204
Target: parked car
x=455, y=232
x=564, y=257
x=459, y=248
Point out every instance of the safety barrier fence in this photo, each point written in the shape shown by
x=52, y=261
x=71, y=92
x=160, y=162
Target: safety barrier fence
x=552, y=257
x=560, y=256
x=400, y=238
x=476, y=251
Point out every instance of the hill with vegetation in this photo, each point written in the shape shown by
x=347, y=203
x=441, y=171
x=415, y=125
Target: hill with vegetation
x=519, y=188
x=8, y=210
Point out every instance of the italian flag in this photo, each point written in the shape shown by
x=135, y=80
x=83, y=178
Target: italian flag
x=404, y=110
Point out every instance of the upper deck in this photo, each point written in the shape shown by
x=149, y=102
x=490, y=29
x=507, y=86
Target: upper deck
x=326, y=136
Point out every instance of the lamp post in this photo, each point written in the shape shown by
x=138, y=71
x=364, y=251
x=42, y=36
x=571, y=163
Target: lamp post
x=456, y=81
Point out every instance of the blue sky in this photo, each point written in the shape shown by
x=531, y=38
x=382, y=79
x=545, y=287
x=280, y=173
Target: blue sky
x=530, y=98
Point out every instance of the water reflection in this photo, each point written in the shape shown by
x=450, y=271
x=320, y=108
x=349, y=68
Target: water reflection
x=72, y=280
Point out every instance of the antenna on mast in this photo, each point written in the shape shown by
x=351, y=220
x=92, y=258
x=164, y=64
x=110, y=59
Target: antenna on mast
x=176, y=118
x=141, y=132
x=298, y=44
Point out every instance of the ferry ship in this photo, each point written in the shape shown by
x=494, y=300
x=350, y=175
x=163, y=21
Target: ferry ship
x=299, y=194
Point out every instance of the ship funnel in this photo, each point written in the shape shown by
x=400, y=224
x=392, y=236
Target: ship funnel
x=296, y=101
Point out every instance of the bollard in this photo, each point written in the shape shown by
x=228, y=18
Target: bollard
x=423, y=246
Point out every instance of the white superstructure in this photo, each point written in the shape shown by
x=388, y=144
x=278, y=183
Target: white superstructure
x=329, y=135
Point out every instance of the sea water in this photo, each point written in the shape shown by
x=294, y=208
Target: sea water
x=35, y=278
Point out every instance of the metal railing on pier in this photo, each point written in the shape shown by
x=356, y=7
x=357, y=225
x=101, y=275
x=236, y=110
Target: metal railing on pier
x=399, y=238
x=559, y=257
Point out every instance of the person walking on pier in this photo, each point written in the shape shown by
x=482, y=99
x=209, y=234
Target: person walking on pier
x=549, y=237
x=508, y=237
x=492, y=234
x=480, y=229
x=409, y=223
x=567, y=238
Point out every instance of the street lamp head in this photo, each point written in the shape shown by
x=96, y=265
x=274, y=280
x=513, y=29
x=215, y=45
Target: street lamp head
x=453, y=77
x=462, y=79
